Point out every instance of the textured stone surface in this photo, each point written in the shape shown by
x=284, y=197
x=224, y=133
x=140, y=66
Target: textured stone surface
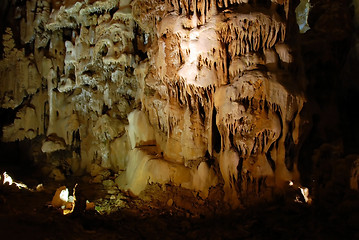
x=193, y=93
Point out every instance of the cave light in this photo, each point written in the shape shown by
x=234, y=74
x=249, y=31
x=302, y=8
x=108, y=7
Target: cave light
x=305, y=193
x=70, y=201
x=64, y=195
x=10, y=181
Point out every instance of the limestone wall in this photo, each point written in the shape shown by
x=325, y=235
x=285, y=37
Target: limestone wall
x=194, y=93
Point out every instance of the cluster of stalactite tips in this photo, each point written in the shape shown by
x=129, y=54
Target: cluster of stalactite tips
x=198, y=94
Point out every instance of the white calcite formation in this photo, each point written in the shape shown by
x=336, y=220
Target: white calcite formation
x=194, y=93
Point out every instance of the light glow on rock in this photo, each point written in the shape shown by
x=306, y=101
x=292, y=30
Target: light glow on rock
x=302, y=13
x=10, y=181
x=7, y=179
x=305, y=193
x=64, y=195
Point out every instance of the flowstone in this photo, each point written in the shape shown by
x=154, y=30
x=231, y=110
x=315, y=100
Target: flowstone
x=197, y=94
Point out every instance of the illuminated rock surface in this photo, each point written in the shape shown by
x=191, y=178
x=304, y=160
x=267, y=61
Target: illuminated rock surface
x=208, y=98
x=192, y=93
x=195, y=107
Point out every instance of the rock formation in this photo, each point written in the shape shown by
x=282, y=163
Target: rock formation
x=198, y=94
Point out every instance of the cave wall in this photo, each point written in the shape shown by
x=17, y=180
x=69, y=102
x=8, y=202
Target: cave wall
x=329, y=158
x=193, y=93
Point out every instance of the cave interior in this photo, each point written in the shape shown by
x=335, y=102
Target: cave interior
x=179, y=119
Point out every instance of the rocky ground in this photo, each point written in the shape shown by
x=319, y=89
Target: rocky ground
x=159, y=214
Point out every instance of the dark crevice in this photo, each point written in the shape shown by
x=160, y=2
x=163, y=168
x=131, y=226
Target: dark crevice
x=138, y=41
x=7, y=116
x=46, y=116
x=178, y=93
x=231, y=139
x=67, y=34
x=202, y=112
x=89, y=73
x=105, y=109
x=216, y=136
x=269, y=157
x=289, y=151
x=113, y=11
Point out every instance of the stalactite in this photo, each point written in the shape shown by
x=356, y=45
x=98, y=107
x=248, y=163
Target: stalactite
x=175, y=75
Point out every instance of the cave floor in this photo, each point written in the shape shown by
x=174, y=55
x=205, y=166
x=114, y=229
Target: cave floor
x=28, y=215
